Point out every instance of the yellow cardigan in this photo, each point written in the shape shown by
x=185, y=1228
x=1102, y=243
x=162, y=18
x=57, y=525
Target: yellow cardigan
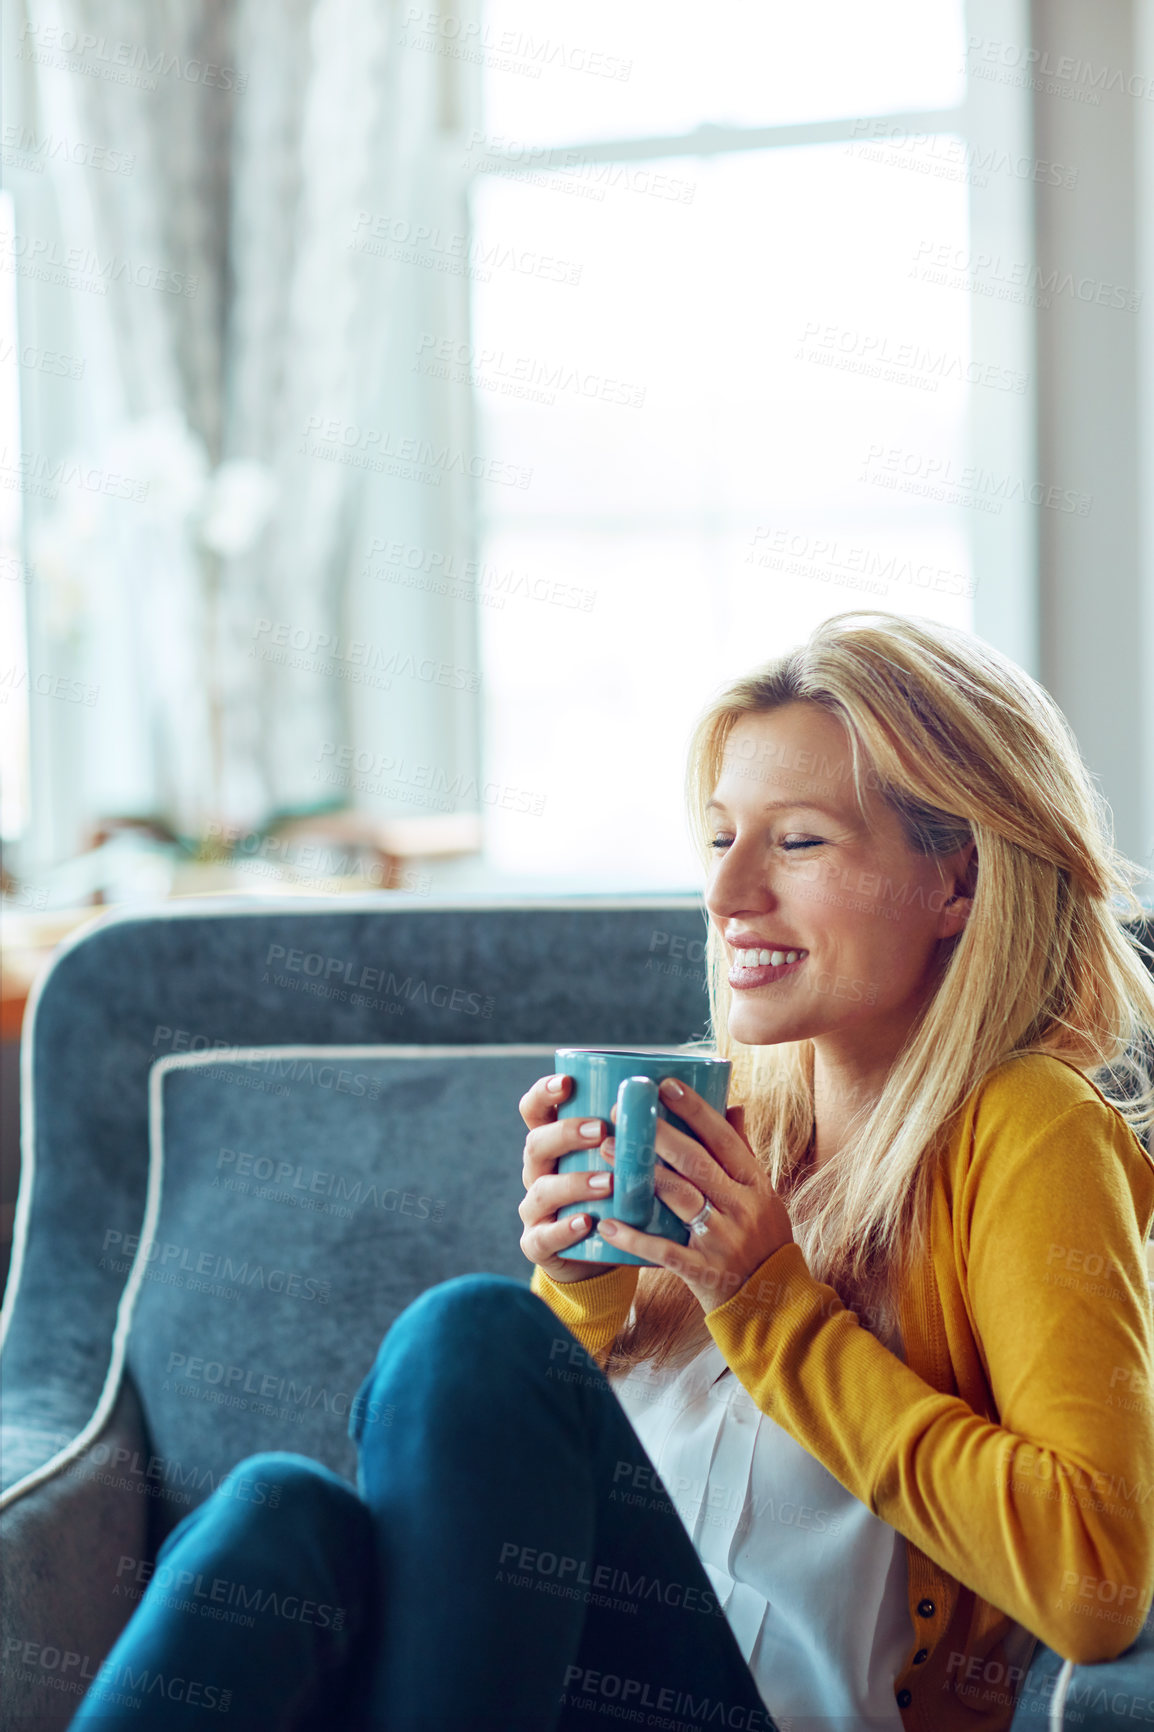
x=1014, y=1448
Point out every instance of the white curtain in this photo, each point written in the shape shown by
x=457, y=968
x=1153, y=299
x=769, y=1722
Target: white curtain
x=190, y=178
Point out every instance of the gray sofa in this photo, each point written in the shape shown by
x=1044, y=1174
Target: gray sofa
x=308, y=1110
x=253, y=1133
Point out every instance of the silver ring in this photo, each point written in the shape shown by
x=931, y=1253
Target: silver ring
x=700, y=1221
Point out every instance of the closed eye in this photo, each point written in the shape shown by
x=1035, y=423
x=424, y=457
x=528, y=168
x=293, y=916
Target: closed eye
x=809, y=842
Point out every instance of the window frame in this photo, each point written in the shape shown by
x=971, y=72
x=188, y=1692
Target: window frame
x=1001, y=433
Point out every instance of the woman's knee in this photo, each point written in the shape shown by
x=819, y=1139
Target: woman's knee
x=280, y=1491
x=466, y=1296
x=473, y=1324
x=487, y=1312
x=277, y=1525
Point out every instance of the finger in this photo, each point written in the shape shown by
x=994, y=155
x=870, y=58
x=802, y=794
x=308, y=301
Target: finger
x=696, y=1164
x=543, y=1199
x=538, y=1105
x=678, y=1194
x=681, y=1259
x=545, y=1145
x=683, y=1198
x=541, y=1243
x=666, y=1177
x=714, y=1129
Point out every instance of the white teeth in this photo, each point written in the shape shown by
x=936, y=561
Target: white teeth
x=765, y=958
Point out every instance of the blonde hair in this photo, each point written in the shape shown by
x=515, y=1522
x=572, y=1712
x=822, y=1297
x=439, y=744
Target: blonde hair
x=962, y=744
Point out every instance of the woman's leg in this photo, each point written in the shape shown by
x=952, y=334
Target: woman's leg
x=255, y=1610
x=532, y=1573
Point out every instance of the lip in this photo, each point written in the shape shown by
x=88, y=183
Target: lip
x=754, y=941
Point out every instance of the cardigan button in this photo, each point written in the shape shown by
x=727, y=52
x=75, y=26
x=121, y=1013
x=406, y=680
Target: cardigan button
x=925, y=1608
x=904, y=1698
x=921, y=1656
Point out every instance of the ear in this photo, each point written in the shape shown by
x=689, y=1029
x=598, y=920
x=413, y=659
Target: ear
x=959, y=870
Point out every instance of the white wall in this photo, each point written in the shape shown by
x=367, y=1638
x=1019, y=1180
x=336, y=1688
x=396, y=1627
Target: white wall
x=1096, y=403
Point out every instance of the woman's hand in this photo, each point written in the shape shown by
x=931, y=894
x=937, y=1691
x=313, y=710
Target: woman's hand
x=547, y=1190
x=748, y=1222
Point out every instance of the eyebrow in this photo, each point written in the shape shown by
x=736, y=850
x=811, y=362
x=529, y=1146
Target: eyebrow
x=782, y=806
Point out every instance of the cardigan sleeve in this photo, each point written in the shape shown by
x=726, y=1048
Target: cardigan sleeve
x=594, y=1310
x=1044, y=1511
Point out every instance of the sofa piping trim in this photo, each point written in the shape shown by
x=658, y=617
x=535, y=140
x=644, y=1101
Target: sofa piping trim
x=109, y=1394
x=1058, y=1701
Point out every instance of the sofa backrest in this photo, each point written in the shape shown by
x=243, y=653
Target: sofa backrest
x=304, y=1196
x=387, y=974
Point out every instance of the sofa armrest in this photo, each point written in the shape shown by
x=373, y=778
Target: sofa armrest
x=61, y=1546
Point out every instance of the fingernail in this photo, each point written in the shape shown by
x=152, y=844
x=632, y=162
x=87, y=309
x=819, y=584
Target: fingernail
x=670, y=1089
x=609, y=1146
x=576, y=1222
x=555, y=1085
x=600, y=1181
x=591, y=1128
x=609, y=1228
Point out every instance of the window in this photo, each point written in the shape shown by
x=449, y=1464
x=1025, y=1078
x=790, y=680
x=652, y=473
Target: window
x=723, y=320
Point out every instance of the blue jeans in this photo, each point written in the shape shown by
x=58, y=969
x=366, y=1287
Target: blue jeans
x=511, y=1561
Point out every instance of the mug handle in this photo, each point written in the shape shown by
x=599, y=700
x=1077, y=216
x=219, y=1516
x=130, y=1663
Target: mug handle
x=635, y=1152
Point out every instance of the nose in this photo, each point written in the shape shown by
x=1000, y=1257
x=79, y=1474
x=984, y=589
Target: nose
x=740, y=883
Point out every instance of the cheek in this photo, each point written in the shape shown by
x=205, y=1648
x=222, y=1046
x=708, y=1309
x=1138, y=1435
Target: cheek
x=870, y=954
x=900, y=950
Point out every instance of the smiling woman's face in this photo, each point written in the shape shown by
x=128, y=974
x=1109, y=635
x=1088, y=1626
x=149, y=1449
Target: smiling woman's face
x=797, y=870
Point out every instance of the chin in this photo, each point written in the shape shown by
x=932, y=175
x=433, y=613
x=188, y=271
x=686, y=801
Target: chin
x=752, y=1029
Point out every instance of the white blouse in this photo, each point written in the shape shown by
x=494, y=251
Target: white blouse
x=813, y=1584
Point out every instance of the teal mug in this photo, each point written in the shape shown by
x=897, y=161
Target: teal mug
x=627, y=1078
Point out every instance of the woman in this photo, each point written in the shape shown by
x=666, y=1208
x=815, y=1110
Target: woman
x=886, y=1420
